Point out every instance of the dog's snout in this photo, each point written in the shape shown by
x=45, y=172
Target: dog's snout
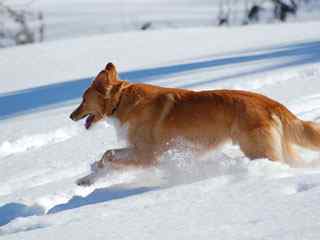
x=74, y=115
x=71, y=116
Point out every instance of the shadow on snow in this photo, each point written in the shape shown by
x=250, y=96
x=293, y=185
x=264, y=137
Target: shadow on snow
x=98, y=196
x=11, y=211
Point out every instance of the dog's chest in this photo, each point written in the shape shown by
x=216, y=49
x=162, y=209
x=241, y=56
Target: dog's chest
x=120, y=130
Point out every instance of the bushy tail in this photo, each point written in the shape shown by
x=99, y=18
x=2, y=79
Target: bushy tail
x=303, y=133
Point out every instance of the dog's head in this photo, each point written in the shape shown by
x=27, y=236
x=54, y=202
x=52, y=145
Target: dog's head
x=101, y=99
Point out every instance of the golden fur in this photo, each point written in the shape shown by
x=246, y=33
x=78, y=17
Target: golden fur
x=156, y=116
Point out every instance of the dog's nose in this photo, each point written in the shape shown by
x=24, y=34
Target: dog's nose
x=75, y=114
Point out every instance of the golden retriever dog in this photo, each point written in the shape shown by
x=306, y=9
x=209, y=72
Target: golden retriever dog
x=156, y=116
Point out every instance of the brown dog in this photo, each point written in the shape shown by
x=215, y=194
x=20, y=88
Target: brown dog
x=156, y=116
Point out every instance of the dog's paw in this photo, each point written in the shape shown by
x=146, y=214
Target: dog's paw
x=94, y=167
x=100, y=166
x=85, y=181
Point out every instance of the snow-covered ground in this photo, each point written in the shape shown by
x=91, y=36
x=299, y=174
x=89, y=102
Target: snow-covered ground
x=224, y=196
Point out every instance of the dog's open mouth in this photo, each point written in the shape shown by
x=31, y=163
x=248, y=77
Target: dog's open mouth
x=89, y=120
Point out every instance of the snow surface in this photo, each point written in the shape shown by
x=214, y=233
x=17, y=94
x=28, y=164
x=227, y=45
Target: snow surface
x=223, y=196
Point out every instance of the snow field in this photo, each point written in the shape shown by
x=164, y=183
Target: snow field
x=42, y=153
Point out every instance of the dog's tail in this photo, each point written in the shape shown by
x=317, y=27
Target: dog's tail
x=303, y=133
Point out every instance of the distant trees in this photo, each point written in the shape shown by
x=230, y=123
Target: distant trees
x=224, y=13
x=254, y=11
x=282, y=9
x=19, y=26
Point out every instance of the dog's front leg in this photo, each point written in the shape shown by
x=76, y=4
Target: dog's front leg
x=115, y=159
x=122, y=158
x=110, y=156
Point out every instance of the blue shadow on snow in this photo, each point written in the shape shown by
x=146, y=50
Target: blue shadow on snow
x=11, y=211
x=98, y=196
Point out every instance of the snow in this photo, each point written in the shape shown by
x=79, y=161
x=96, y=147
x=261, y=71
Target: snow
x=224, y=195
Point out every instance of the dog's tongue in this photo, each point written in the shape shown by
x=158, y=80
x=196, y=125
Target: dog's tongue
x=89, y=121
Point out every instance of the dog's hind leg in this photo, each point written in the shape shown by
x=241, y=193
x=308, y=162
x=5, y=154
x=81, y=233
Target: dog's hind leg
x=290, y=155
x=263, y=142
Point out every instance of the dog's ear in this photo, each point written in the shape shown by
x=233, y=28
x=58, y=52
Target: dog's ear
x=106, y=79
x=111, y=73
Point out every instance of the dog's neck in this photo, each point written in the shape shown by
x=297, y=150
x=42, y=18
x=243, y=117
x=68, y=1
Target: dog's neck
x=129, y=97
